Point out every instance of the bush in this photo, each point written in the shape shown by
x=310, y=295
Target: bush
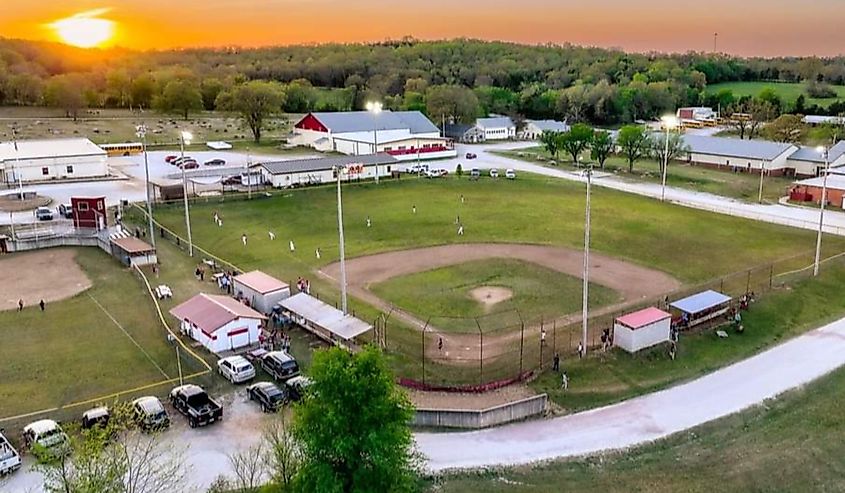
x=820, y=91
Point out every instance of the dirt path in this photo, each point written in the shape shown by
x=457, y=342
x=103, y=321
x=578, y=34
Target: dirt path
x=634, y=283
x=50, y=274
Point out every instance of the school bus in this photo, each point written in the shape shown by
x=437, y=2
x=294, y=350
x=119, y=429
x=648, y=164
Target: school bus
x=125, y=149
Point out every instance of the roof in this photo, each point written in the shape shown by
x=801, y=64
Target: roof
x=549, y=125
x=810, y=154
x=42, y=426
x=261, y=282
x=211, y=312
x=495, y=122
x=130, y=244
x=365, y=121
x=384, y=136
x=643, y=317
x=49, y=148
x=326, y=316
x=748, y=149
x=817, y=119
x=834, y=182
x=324, y=164
x=149, y=404
x=701, y=301
x=457, y=129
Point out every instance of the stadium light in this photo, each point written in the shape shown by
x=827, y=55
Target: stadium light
x=185, y=139
x=141, y=132
x=588, y=171
x=669, y=122
x=375, y=107
x=824, y=151
x=338, y=171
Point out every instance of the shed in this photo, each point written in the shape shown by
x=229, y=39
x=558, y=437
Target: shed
x=324, y=320
x=642, y=329
x=261, y=290
x=701, y=307
x=89, y=212
x=219, y=323
x=133, y=252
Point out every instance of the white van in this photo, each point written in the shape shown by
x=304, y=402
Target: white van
x=46, y=434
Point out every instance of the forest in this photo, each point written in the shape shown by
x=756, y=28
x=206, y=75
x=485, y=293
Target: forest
x=453, y=79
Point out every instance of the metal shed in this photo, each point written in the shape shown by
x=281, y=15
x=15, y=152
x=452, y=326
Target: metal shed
x=261, y=290
x=701, y=307
x=642, y=329
x=324, y=320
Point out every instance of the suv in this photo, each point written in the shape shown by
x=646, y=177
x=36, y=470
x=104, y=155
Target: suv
x=280, y=365
x=43, y=214
x=99, y=416
x=10, y=459
x=236, y=369
x=150, y=413
x=297, y=387
x=268, y=395
x=66, y=211
x=475, y=173
x=494, y=173
x=46, y=434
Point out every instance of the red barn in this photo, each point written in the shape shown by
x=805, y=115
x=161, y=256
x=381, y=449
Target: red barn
x=89, y=212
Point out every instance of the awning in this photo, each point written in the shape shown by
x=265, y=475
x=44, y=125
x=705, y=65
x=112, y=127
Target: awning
x=345, y=327
x=700, y=302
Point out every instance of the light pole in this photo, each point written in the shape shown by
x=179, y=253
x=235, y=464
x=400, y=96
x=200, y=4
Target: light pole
x=375, y=108
x=185, y=139
x=338, y=171
x=17, y=162
x=586, y=274
x=762, y=171
x=824, y=151
x=142, y=133
x=669, y=122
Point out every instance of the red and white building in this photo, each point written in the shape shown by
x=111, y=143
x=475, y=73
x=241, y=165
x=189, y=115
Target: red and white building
x=642, y=329
x=405, y=135
x=219, y=323
x=89, y=212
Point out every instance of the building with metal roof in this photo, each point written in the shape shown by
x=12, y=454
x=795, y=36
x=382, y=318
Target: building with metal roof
x=739, y=154
x=642, y=329
x=497, y=127
x=810, y=190
x=324, y=320
x=314, y=171
x=261, y=290
x=219, y=323
x=51, y=159
x=534, y=129
x=807, y=161
x=702, y=307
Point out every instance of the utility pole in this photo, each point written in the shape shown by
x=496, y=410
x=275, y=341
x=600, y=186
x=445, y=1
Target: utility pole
x=17, y=162
x=185, y=139
x=142, y=133
x=338, y=170
x=715, y=42
x=762, y=171
x=586, y=274
x=670, y=122
x=825, y=152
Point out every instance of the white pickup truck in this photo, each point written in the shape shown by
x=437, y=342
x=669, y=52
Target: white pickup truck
x=10, y=460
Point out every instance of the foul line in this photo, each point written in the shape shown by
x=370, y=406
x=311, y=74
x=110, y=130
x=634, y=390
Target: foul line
x=129, y=336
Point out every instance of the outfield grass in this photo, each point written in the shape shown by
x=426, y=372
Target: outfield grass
x=743, y=186
x=788, y=92
x=445, y=293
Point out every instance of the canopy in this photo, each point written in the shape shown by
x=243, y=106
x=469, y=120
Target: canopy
x=700, y=302
x=325, y=316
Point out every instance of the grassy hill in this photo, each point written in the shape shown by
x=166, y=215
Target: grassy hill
x=788, y=92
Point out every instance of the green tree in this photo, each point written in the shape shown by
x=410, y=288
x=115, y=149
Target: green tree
x=210, y=88
x=601, y=147
x=255, y=101
x=141, y=91
x=550, y=140
x=634, y=142
x=300, y=97
x=785, y=128
x=451, y=102
x=66, y=92
x=353, y=427
x=179, y=96
x=576, y=140
x=662, y=153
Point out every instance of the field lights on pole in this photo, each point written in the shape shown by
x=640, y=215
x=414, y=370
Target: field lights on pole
x=824, y=151
x=338, y=171
x=142, y=134
x=375, y=107
x=588, y=171
x=185, y=139
x=669, y=122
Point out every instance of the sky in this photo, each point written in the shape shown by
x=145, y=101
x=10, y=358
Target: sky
x=744, y=27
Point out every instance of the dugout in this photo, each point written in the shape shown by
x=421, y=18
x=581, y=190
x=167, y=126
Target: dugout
x=323, y=320
x=642, y=329
x=133, y=252
x=700, y=308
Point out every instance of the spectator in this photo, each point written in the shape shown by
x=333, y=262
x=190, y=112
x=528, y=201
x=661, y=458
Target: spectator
x=440, y=344
x=564, y=381
x=556, y=363
x=20, y=305
x=580, y=350
x=42, y=305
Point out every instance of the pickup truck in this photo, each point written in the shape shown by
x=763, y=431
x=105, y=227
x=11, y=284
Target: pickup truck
x=192, y=401
x=10, y=460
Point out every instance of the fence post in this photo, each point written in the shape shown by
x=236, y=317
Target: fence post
x=542, y=341
x=480, y=353
x=748, y=282
x=423, y=348
x=554, y=334
x=521, y=343
x=722, y=285
x=771, y=275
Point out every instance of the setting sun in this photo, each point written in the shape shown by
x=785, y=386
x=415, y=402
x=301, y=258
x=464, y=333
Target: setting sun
x=85, y=30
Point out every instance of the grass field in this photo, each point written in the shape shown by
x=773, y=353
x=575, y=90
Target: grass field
x=445, y=292
x=743, y=186
x=788, y=92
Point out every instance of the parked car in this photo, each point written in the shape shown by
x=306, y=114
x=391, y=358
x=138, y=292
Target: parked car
x=471, y=155
x=44, y=214
x=436, y=173
x=215, y=162
x=510, y=174
x=280, y=365
x=268, y=395
x=169, y=159
x=475, y=173
x=418, y=169
x=233, y=180
x=189, y=165
x=494, y=173
x=47, y=436
x=150, y=414
x=236, y=369
x=99, y=416
x=66, y=211
x=179, y=160
x=10, y=459
x=297, y=386
x=192, y=401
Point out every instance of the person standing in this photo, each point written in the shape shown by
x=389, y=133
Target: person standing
x=556, y=363
x=462, y=198
x=580, y=350
x=440, y=344
x=243, y=239
x=369, y=222
x=292, y=246
x=42, y=305
x=413, y=209
x=20, y=305
x=564, y=381
x=543, y=337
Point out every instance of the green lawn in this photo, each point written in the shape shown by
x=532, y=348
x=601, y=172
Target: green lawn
x=788, y=92
x=444, y=293
x=743, y=186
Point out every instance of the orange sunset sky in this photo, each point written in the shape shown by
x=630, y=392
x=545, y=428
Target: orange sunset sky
x=745, y=27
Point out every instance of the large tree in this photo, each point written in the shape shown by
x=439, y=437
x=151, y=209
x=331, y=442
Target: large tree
x=550, y=141
x=451, y=102
x=66, y=92
x=601, y=147
x=748, y=115
x=668, y=147
x=785, y=128
x=576, y=140
x=179, y=96
x=353, y=427
x=255, y=101
x=634, y=143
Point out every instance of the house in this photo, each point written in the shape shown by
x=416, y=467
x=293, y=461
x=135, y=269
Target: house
x=739, y=154
x=300, y=172
x=808, y=161
x=406, y=135
x=30, y=161
x=810, y=190
x=133, y=251
x=219, y=323
x=642, y=329
x=324, y=320
x=497, y=128
x=89, y=212
x=260, y=290
x=534, y=129
x=460, y=132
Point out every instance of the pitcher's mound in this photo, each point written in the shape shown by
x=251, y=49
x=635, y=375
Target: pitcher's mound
x=490, y=295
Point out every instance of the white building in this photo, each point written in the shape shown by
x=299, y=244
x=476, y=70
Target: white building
x=739, y=154
x=219, y=323
x=406, y=135
x=497, y=128
x=534, y=129
x=642, y=329
x=53, y=159
x=816, y=120
x=314, y=171
x=459, y=132
x=808, y=161
x=262, y=291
